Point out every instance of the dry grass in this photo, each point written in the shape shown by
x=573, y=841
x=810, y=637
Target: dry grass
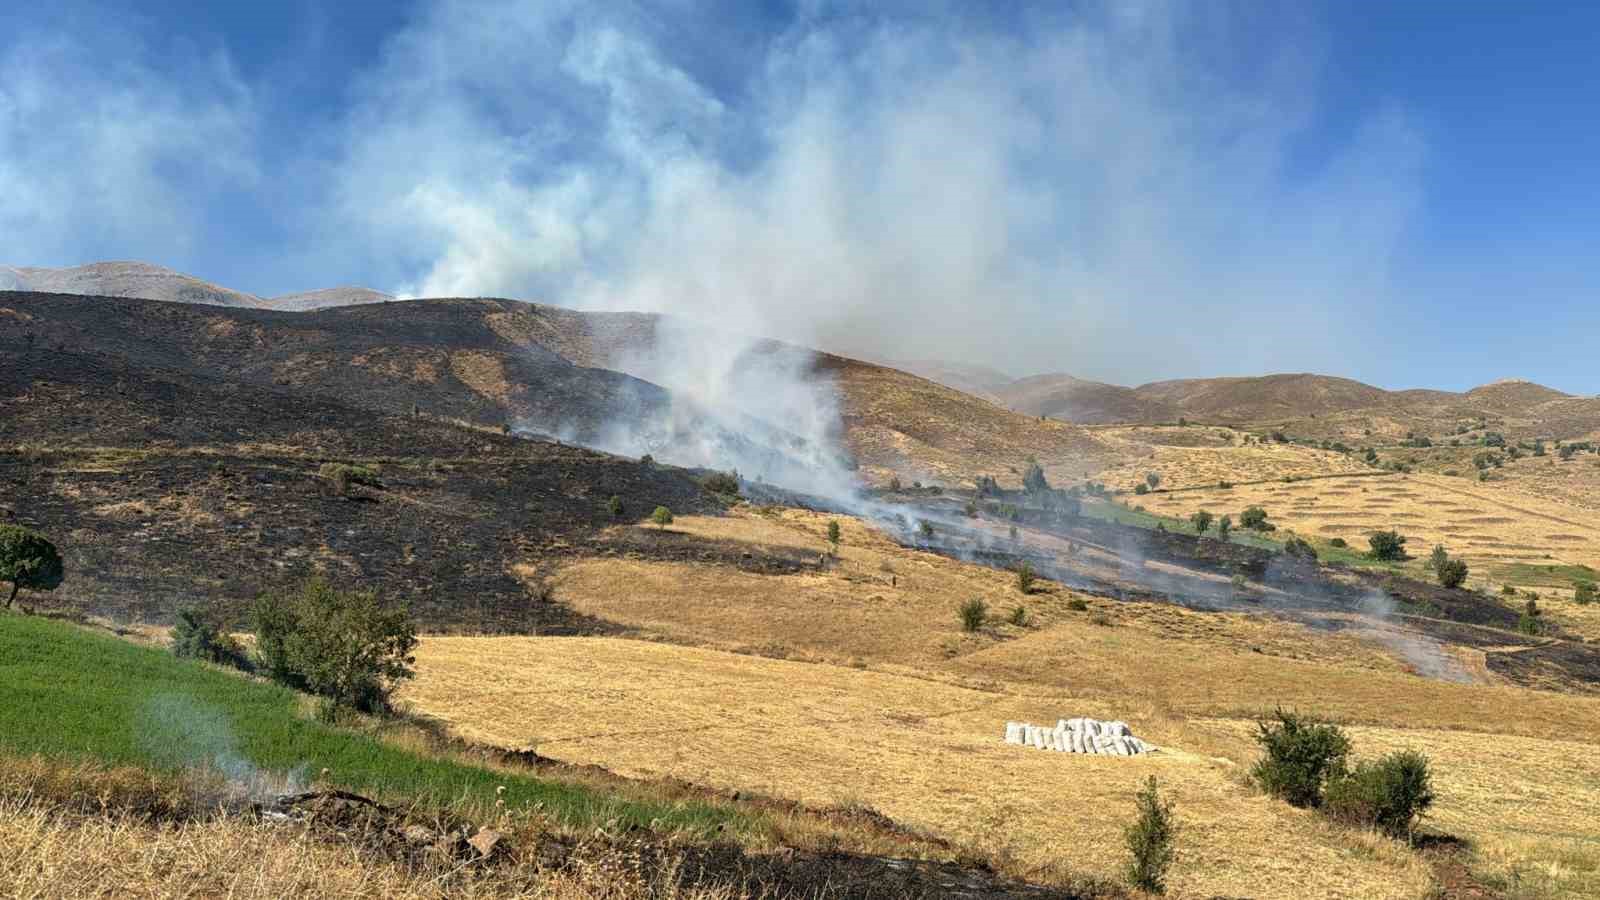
x=923, y=752
x=1526, y=804
x=882, y=700
x=51, y=855
x=1487, y=524
x=1143, y=452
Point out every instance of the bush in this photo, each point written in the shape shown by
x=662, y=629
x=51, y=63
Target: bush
x=1339, y=542
x=894, y=484
x=925, y=528
x=724, y=484
x=1141, y=489
x=1253, y=518
x=1224, y=525
x=1584, y=593
x=1019, y=617
x=1453, y=573
x=615, y=507
x=1033, y=480
x=1201, y=520
x=972, y=614
x=1387, y=795
x=28, y=560
x=1150, y=840
x=348, y=646
x=1225, y=485
x=197, y=635
x=1077, y=604
x=662, y=517
x=1153, y=479
x=1388, y=546
x=1301, y=549
x=833, y=534
x=1529, y=625
x=340, y=477
x=1301, y=756
x=1025, y=577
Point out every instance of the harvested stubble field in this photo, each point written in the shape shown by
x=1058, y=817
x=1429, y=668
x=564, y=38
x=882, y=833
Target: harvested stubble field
x=1499, y=532
x=881, y=700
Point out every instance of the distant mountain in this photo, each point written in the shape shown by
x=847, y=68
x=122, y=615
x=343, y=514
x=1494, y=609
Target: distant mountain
x=1512, y=394
x=326, y=298
x=1070, y=399
x=151, y=282
x=123, y=279
x=979, y=381
x=1265, y=397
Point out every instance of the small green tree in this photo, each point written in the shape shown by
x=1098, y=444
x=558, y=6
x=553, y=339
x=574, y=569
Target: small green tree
x=1153, y=479
x=1224, y=525
x=972, y=614
x=197, y=635
x=1201, y=520
x=614, y=505
x=833, y=535
x=1453, y=573
x=1019, y=617
x=348, y=646
x=1388, y=546
x=1301, y=756
x=1253, y=518
x=1583, y=593
x=1387, y=795
x=1151, y=840
x=28, y=560
x=1437, y=560
x=1033, y=480
x=1025, y=577
x=662, y=517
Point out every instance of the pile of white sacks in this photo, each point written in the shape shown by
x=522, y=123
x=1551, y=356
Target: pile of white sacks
x=1078, y=736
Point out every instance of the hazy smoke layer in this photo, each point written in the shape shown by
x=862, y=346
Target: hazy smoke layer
x=1031, y=194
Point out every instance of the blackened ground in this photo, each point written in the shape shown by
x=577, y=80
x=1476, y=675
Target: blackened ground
x=145, y=533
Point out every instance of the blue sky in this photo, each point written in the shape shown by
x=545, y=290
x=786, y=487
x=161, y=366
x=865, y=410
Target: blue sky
x=1403, y=193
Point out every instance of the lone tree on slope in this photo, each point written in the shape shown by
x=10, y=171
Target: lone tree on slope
x=28, y=560
x=662, y=517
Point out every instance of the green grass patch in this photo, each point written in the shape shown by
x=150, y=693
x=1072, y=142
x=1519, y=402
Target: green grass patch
x=1551, y=575
x=67, y=692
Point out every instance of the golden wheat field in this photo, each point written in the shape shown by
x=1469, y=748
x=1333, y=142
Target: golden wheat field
x=1506, y=535
x=853, y=684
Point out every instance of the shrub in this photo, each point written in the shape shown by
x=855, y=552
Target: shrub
x=1201, y=521
x=1253, y=518
x=1019, y=617
x=340, y=477
x=1301, y=549
x=647, y=460
x=894, y=484
x=987, y=486
x=28, y=560
x=1033, y=480
x=1025, y=577
x=1583, y=593
x=1225, y=485
x=1224, y=525
x=1301, y=756
x=1141, y=489
x=972, y=614
x=1077, y=604
x=1453, y=573
x=833, y=534
x=1508, y=590
x=926, y=529
x=1338, y=542
x=1387, y=795
x=1151, y=839
x=972, y=510
x=615, y=507
x=1101, y=619
x=1438, y=558
x=662, y=517
x=1013, y=533
x=1153, y=479
x=348, y=646
x=725, y=484
x=197, y=635
x=1387, y=545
